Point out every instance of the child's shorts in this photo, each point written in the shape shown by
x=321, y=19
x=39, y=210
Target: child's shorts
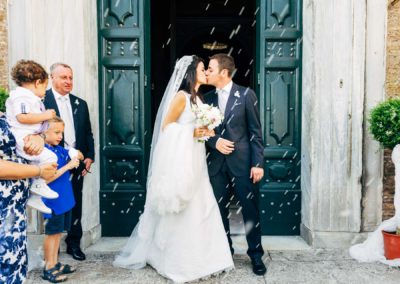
x=58, y=223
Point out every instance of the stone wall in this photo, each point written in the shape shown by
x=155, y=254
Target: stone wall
x=393, y=50
x=388, y=186
x=3, y=45
x=392, y=90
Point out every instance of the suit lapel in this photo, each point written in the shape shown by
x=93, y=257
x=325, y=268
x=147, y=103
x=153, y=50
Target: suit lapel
x=230, y=102
x=52, y=102
x=74, y=106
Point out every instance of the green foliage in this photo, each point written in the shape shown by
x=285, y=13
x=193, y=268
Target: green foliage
x=3, y=98
x=385, y=123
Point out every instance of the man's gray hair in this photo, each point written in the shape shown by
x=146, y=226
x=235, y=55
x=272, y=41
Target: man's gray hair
x=57, y=64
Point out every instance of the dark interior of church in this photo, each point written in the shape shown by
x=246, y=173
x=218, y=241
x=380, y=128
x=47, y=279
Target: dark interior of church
x=204, y=28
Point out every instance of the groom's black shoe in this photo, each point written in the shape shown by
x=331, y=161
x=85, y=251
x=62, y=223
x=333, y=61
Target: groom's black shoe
x=258, y=266
x=76, y=253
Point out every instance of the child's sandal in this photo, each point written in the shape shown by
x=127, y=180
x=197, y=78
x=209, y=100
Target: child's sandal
x=53, y=275
x=65, y=268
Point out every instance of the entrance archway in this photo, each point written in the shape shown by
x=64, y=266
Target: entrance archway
x=136, y=55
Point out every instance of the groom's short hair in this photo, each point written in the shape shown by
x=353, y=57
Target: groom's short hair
x=225, y=61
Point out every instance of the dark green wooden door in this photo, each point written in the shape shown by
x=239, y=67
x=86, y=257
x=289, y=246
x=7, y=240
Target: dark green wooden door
x=124, y=123
x=279, y=43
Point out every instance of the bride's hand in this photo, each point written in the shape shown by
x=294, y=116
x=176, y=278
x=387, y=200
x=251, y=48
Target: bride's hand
x=210, y=133
x=200, y=132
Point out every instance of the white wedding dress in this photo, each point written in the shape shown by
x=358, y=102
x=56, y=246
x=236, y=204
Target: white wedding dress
x=180, y=233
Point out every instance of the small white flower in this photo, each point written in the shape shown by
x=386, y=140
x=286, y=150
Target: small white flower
x=237, y=94
x=77, y=102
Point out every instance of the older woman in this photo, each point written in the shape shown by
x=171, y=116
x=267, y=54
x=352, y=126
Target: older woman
x=14, y=183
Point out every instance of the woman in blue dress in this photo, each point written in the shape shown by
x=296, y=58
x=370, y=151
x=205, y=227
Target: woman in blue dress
x=14, y=184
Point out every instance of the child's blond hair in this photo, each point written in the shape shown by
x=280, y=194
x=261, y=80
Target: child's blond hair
x=56, y=119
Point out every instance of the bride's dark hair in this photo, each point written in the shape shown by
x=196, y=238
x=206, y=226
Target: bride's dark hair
x=189, y=82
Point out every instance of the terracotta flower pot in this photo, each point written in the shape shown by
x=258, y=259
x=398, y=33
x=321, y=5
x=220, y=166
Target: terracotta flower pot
x=391, y=244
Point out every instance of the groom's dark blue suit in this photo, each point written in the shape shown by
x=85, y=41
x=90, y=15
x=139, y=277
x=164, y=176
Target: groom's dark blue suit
x=230, y=173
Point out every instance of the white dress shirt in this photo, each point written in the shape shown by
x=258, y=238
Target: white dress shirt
x=223, y=96
x=65, y=108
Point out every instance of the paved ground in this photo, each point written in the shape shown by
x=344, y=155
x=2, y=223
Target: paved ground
x=293, y=266
x=288, y=258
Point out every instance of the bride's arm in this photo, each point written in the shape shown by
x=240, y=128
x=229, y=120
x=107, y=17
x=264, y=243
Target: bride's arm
x=176, y=108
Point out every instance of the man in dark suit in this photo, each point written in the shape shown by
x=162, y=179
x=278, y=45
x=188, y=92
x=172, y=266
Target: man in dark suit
x=235, y=154
x=77, y=134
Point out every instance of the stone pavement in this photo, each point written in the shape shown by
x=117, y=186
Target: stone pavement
x=284, y=266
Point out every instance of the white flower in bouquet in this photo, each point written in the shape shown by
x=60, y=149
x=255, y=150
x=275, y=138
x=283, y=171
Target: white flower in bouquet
x=207, y=116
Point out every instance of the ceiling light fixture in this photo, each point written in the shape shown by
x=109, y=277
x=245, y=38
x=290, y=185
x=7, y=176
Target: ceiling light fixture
x=215, y=45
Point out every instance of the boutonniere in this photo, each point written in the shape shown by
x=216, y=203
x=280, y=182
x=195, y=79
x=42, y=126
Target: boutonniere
x=237, y=94
x=77, y=102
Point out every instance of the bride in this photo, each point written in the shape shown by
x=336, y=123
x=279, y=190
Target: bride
x=180, y=233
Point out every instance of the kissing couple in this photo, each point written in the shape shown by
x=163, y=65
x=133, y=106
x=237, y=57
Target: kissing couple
x=183, y=232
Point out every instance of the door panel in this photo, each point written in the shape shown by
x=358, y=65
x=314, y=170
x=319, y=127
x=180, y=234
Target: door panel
x=123, y=120
x=280, y=36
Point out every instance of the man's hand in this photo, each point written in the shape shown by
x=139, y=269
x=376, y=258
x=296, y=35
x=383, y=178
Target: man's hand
x=34, y=144
x=47, y=171
x=80, y=155
x=256, y=174
x=225, y=146
x=88, y=163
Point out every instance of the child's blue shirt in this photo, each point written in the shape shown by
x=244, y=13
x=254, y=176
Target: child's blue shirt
x=62, y=185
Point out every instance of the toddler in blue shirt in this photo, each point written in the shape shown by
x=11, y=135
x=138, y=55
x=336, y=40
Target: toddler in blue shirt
x=60, y=219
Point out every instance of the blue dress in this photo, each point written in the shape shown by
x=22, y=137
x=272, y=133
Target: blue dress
x=13, y=222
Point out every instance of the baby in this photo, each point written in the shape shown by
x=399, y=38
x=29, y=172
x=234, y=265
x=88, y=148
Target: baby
x=26, y=115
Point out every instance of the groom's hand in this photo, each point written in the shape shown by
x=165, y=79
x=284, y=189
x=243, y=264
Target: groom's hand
x=225, y=146
x=256, y=174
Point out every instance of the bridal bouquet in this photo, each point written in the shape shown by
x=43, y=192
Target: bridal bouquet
x=207, y=116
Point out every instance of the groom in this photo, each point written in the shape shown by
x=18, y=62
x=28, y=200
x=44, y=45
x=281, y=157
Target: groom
x=235, y=159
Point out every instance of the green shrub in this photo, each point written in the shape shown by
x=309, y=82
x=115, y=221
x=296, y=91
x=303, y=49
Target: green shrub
x=3, y=98
x=385, y=123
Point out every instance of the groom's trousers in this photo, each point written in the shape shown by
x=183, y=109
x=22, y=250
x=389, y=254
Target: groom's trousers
x=225, y=184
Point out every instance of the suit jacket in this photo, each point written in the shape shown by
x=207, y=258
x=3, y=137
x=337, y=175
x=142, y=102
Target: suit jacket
x=83, y=130
x=242, y=126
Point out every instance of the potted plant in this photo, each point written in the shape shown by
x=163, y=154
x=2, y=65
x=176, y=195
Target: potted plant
x=3, y=98
x=385, y=127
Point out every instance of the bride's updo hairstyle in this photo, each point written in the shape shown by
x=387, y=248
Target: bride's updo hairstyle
x=189, y=82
